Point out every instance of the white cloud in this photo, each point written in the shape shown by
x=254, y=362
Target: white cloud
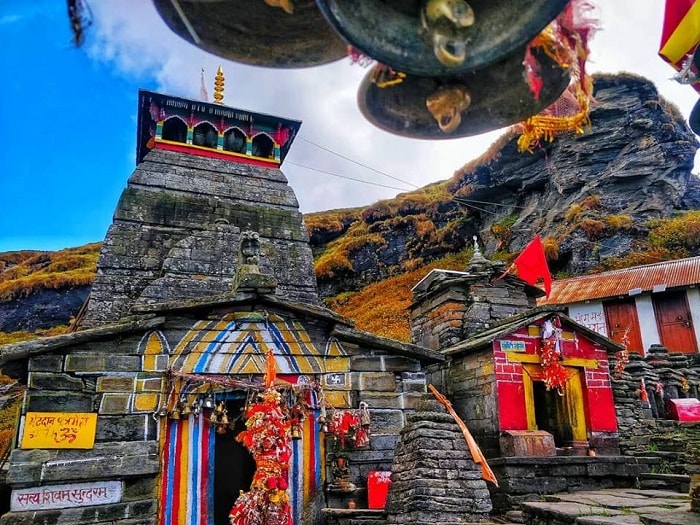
x=131, y=35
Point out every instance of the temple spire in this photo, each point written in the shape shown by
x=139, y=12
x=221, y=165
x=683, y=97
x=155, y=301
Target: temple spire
x=219, y=86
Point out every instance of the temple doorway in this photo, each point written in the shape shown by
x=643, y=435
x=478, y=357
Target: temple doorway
x=561, y=413
x=233, y=464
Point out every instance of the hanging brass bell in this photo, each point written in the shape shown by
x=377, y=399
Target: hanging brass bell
x=439, y=37
x=254, y=32
x=460, y=106
x=296, y=432
x=175, y=413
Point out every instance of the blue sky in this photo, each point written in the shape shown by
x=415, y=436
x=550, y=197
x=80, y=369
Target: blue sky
x=67, y=123
x=68, y=115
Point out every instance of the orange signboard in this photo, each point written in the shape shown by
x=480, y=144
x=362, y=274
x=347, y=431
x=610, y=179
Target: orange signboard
x=59, y=430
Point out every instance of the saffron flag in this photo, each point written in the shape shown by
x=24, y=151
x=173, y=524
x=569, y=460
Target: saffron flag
x=531, y=265
x=681, y=34
x=477, y=456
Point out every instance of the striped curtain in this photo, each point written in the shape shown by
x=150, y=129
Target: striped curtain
x=187, y=495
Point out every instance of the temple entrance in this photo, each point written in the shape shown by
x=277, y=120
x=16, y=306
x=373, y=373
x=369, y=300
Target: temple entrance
x=233, y=465
x=562, y=414
x=551, y=414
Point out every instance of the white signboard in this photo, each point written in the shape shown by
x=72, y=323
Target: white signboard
x=513, y=346
x=64, y=496
x=590, y=315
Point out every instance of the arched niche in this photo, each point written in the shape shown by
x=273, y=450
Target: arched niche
x=234, y=140
x=263, y=146
x=175, y=130
x=204, y=134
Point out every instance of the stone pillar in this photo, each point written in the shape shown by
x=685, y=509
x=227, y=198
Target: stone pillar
x=434, y=480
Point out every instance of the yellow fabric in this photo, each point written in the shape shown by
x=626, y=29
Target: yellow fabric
x=685, y=37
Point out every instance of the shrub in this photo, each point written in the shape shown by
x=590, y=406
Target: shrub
x=573, y=212
x=551, y=248
x=619, y=222
x=593, y=228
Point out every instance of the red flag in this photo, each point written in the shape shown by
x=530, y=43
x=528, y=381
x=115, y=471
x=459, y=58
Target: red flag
x=532, y=265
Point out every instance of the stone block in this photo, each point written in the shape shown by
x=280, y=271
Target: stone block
x=145, y=402
x=377, y=381
x=516, y=443
x=116, y=384
x=46, y=363
x=68, y=402
x=386, y=421
x=140, y=488
x=115, y=404
x=361, y=363
x=124, y=427
x=381, y=399
x=400, y=364
x=54, y=381
x=141, y=512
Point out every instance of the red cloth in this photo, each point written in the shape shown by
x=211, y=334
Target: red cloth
x=531, y=265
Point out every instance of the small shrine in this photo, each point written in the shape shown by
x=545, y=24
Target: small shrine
x=530, y=381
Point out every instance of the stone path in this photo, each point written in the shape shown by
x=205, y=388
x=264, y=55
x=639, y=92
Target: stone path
x=612, y=507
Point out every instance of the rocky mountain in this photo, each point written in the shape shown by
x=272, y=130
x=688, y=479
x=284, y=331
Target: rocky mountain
x=620, y=194
x=592, y=197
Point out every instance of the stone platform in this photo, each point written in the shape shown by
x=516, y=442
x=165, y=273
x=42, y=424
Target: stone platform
x=611, y=507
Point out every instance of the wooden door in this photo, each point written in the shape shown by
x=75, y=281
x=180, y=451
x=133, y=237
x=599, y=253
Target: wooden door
x=674, y=322
x=623, y=324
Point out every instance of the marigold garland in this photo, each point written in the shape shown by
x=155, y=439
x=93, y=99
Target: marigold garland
x=554, y=375
x=268, y=437
x=565, y=41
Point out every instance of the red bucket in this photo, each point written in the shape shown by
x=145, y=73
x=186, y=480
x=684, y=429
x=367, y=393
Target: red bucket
x=378, y=483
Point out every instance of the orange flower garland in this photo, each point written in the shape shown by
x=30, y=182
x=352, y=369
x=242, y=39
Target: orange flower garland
x=554, y=375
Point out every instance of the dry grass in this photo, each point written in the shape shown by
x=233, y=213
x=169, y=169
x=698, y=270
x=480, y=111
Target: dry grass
x=382, y=308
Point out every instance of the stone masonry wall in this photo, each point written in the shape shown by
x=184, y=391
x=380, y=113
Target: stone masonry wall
x=106, y=377
x=175, y=222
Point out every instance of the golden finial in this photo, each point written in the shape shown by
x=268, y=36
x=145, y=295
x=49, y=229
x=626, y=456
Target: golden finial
x=219, y=86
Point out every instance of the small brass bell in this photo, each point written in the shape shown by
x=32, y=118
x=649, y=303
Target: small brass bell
x=221, y=429
x=223, y=420
x=439, y=37
x=220, y=409
x=208, y=402
x=185, y=409
x=175, y=413
x=464, y=105
x=255, y=32
x=296, y=432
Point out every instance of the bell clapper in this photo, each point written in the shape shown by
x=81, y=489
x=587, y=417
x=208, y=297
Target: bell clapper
x=447, y=104
x=287, y=5
x=443, y=19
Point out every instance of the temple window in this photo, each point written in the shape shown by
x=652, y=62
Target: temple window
x=262, y=146
x=205, y=135
x=175, y=130
x=234, y=140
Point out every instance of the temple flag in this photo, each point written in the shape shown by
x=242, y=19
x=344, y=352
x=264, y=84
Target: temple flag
x=531, y=265
x=680, y=36
x=203, y=93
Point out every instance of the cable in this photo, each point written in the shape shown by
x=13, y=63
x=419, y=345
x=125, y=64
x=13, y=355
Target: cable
x=360, y=164
x=345, y=176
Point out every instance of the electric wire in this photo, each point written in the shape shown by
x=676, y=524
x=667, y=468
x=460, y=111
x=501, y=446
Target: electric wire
x=397, y=179
x=346, y=177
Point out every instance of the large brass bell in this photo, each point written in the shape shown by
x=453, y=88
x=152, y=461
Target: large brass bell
x=439, y=37
x=255, y=32
x=460, y=106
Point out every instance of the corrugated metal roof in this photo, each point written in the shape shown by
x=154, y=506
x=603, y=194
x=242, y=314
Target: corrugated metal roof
x=682, y=272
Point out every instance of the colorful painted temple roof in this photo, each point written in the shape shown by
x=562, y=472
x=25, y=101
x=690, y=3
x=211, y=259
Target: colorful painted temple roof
x=212, y=130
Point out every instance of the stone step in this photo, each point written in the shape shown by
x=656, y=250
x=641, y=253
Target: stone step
x=675, y=482
x=337, y=516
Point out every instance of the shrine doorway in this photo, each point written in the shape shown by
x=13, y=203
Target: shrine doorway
x=559, y=412
x=234, y=466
